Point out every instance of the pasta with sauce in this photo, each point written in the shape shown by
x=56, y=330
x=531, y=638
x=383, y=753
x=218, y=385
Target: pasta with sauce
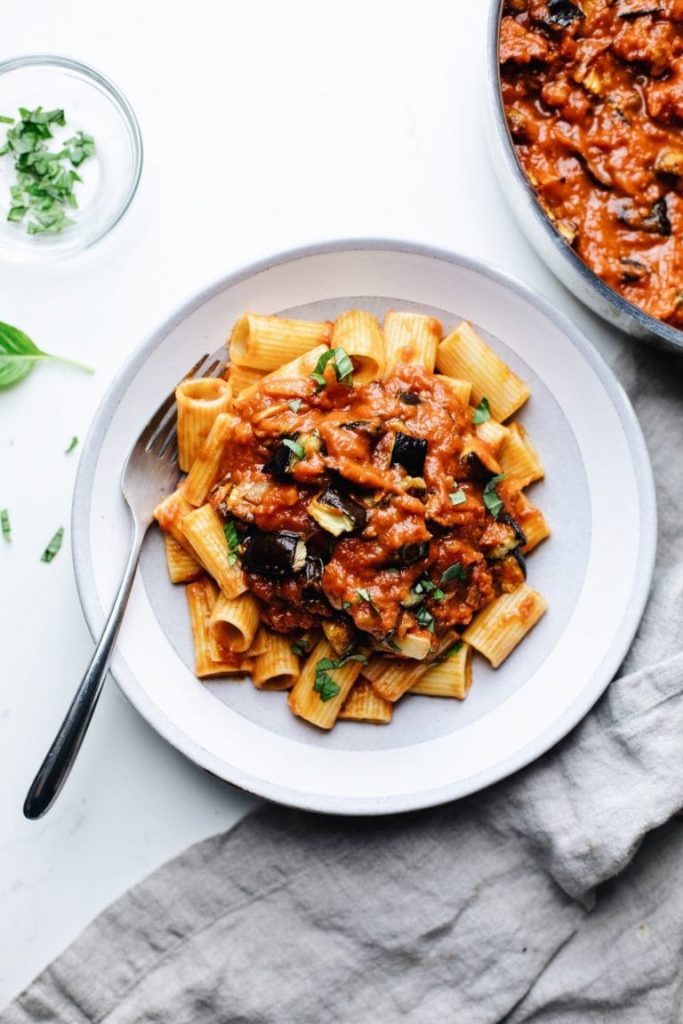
x=351, y=528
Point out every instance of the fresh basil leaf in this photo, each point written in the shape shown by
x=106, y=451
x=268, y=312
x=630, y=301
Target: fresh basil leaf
x=318, y=373
x=346, y=605
x=233, y=541
x=482, y=413
x=295, y=404
x=297, y=450
x=458, y=496
x=72, y=444
x=492, y=499
x=325, y=686
x=300, y=647
x=54, y=546
x=454, y=572
x=343, y=367
x=5, y=524
x=19, y=355
x=425, y=619
x=364, y=596
x=6, y=120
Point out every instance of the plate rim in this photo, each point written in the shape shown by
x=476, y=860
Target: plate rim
x=126, y=679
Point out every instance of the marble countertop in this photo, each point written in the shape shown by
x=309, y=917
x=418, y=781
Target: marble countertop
x=266, y=125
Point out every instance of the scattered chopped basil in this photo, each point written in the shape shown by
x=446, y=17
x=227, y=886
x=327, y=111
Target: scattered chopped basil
x=300, y=647
x=54, y=546
x=346, y=605
x=364, y=596
x=425, y=618
x=424, y=587
x=454, y=572
x=325, y=685
x=297, y=450
x=390, y=642
x=492, y=499
x=233, y=541
x=458, y=496
x=45, y=178
x=482, y=413
x=72, y=444
x=5, y=524
x=295, y=404
x=6, y=120
x=341, y=363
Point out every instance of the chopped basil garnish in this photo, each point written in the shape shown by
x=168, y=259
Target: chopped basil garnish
x=72, y=444
x=54, y=546
x=342, y=365
x=482, y=413
x=295, y=404
x=449, y=652
x=300, y=647
x=346, y=605
x=425, y=618
x=454, y=572
x=424, y=587
x=45, y=182
x=5, y=524
x=492, y=499
x=390, y=642
x=324, y=684
x=458, y=496
x=297, y=450
x=364, y=596
x=233, y=541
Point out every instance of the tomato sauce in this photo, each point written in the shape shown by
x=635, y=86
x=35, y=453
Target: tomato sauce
x=413, y=532
x=593, y=93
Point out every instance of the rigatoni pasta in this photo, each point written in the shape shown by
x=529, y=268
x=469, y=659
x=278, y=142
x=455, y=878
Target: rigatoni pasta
x=199, y=402
x=354, y=522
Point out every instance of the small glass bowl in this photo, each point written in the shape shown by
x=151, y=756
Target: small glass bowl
x=91, y=104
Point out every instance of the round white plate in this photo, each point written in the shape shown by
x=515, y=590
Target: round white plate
x=595, y=570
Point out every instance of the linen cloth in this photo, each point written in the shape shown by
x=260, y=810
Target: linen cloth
x=555, y=897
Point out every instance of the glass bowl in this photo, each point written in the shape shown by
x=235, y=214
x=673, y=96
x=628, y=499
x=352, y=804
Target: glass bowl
x=91, y=104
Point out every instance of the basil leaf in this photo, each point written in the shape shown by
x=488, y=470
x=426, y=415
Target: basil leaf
x=6, y=120
x=492, y=499
x=233, y=541
x=346, y=605
x=318, y=370
x=325, y=686
x=458, y=496
x=425, y=619
x=54, y=546
x=454, y=572
x=297, y=450
x=72, y=444
x=449, y=652
x=5, y=524
x=364, y=596
x=343, y=367
x=19, y=355
x=482, y=413
x=295, y=404
x=300, y=647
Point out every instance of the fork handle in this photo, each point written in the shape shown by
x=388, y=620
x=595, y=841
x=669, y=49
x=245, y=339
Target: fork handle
x=59, y=759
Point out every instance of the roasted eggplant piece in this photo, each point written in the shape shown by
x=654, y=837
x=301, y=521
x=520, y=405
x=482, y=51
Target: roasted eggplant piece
x=514, y=537
x=654, y=222
x=276, y=555
x=371, y=428
x=506, y=518
x=278, y=464
x=410, y=453
x=563, y=13
x=408, y=554
x=409, y=398
x=520, y=560
x=337, y=512
x=341, y=634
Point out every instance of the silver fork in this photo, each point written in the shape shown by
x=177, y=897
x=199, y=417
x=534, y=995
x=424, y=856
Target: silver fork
x=150, y=473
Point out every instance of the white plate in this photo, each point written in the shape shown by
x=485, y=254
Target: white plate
x=595, y=570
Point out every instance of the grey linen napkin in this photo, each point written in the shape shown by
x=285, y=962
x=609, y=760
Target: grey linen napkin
x=556, y=896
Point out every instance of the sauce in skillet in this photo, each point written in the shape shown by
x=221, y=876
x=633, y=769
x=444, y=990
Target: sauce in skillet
x=593, y=93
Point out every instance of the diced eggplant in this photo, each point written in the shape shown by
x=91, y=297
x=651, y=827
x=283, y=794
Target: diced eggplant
x=336, y=512
x=414, y=485
x=634, y=270
x=520, y=535
x=520, y=560
x=408, y=554
x=410, y=398
x=340, y=633
x=417, y=647
x=642, y=11
x=371, y=428
x=277, y=465
x=410, y=453
x=654, y=222
x=515, y=537
x=563, y=13
x=472, y=464
x=276, y=555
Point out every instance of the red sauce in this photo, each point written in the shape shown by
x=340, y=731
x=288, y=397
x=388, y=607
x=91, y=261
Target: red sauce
x=413, y=531
x=593, y=92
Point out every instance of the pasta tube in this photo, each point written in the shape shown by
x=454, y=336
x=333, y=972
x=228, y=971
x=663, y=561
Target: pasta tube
x=359, y=334
x=169, y=514
x=206, y=466
x=391, y=677
x=499, y=627
x=450, y=678
x=364, y=705
x=182, y=567
x=201, y=597
x=204, y=531
x=234, y=622
x=266, y=342
x=411, y=338
x=276, y=668
x=519, y=458
x=301, y=367
x=464, y=354
x=241, y=377
x=199, y=402
x=320, y=691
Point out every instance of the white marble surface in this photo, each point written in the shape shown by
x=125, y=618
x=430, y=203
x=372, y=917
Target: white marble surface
x=266, y=125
